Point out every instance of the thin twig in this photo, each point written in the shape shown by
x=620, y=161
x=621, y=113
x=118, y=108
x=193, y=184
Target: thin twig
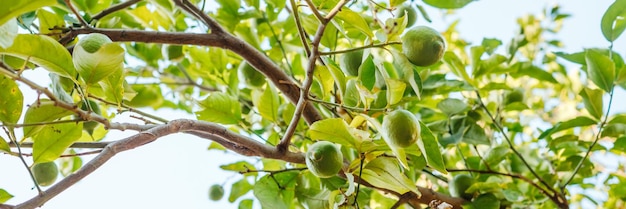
x=80, y=18
x=113, y=9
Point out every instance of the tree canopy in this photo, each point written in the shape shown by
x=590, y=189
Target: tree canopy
x=344, y=102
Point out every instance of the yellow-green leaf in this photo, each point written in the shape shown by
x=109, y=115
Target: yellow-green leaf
x=600, y=69
x=384, y=172
x=54, y=139
x=614, y=20
x=220, y=108
x=42, y=111
x=11, y=100
x=430, y=147
x=13, y=8
x=43, y=51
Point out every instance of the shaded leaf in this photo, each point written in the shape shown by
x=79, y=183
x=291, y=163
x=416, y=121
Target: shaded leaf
x=428, y=144
x=576, y=122
x=600, y=69
x=452, y=106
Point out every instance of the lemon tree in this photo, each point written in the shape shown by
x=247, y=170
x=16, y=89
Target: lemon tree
x=324, y=103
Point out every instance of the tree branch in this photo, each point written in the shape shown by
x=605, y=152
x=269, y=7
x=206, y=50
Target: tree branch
x=113, y=9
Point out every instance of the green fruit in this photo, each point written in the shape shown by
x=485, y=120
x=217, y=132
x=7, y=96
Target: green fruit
x=513, y=96
x=423, y=46
x=250, y=76
x=216, y=192
x=351, y=61
x=459, y=184
x=93, y=41
x=324, y=159
x=411, y=14
x=45, y=173
x=89, y=126
x=401, y=128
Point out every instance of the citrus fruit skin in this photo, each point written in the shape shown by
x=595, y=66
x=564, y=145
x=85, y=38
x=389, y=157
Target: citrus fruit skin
x=250, y=76
x=411, y=14
x=93, y=41
x=351, y=61
x=324, y=159
x=45, y=173
x=459, y=184
x=401, y=128
x=423, y=46
x=216, y=192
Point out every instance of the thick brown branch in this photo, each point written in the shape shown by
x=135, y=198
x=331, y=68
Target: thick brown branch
x=222, y=40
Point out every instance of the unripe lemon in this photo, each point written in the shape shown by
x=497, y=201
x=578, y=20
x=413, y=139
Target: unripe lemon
x=324, y=159
x=45, y=173
x=250, y=76
x=423, y=46
x=459, y=184
x=401, y=128
x=351, y=61
x=216, y=192
x=411, y=14
x=93, y=41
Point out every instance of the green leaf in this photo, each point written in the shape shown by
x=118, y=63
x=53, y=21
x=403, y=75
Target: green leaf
x=384, y=172
x=245, y=204
x=452, y=106
x=336, y=130
x=116, y=89
x=4, y=146
x=356, y=20
x=576, y=122
x=395, y=91
x=11, y=100
x=239, y=189
x=456, y=65
x=351, y=97
x=8, y=32
x=592, y=98
x=428, y=144
x=43, y=51
x=93, y=67
x=496, y=155
x=614, y=20
x=367, y=73
x=448, y=4
x=53, y=140
x=220, y=108
x=42, y=111
x=276, y=191
x=530, y=70
x=267, y=102
x=5, y=196
x=485, y=201
x=600, y=69
x=620, y=145
x=241, y=166
x=17, y=7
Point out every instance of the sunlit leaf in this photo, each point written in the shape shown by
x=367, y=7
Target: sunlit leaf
x=42, y=111
x=93, y=67
x=18, y=7
x=8, y=32
x=592, y=98
x=5, y=196
x=448, y=4
x=220, y=108
x=355, y=20
x=54, y=139
x=43, y=51
x=576, y=122
x=335, y=130
x=4, y=146
x=384, y=172
x=267, y=102
x=239, y=189
x=614, y=20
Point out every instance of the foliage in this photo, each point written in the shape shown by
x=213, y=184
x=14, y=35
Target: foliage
x=509, y=113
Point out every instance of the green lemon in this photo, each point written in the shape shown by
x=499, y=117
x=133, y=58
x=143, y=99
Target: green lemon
x=250, y=76
x=459, y=184
x=423, y=46
x=411, y=14
x=513, y=96
x=216, y=192
x=401, y=128
x=89, y=126
x=45, y=173
x=324, y=159
x=351, y=61
x=93, y=41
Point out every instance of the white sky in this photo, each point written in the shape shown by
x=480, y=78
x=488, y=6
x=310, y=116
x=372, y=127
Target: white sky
x=176, y=171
